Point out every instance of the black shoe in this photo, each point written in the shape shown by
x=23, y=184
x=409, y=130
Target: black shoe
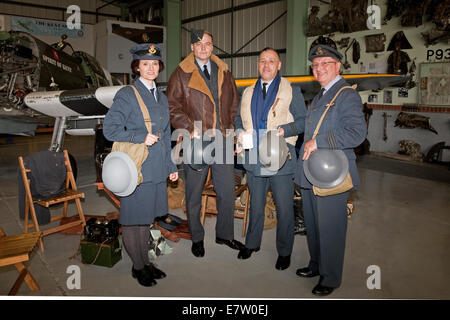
x=306, y=273
x=245, y=253
x=320, y=290
x=283, y=262
x=157, y=273
x=233, y=244
x=144, y=277
x=198, y=249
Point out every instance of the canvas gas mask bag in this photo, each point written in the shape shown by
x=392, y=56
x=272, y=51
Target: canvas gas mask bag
x=138, y=152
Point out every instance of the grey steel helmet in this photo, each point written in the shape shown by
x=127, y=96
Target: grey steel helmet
x=272, y=150
x=119, y=174
x=199, y=157
x=326, y=168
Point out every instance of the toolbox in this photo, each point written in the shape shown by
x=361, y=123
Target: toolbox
x=105, y=254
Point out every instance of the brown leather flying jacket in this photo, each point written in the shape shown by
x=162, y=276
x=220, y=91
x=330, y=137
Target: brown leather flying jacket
x=191, y=100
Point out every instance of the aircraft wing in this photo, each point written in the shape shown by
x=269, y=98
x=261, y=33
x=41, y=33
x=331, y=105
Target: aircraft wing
x=73, y=103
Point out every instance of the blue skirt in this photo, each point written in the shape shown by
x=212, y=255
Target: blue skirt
x=147, y=202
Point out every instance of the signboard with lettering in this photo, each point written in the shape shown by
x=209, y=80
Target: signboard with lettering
x=45, y=27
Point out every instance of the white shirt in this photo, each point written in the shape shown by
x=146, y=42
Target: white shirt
x=332, y=82
x=201, y=64
x=149, y=87
x=268, y=84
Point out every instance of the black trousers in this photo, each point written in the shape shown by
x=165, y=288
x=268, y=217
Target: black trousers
x=224, y=185
x=283, y=193
x=326, y=225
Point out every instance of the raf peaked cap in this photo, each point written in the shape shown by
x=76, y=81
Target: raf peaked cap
x=322, y=50
x=197, y=35
x=146, y=51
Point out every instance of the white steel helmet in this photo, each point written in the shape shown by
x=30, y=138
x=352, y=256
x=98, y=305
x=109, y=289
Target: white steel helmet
x=119, y=174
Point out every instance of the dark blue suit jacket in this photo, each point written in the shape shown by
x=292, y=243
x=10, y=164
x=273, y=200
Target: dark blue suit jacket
x=298, y=110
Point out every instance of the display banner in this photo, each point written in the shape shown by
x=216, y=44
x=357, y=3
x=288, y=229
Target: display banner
x=45, y=27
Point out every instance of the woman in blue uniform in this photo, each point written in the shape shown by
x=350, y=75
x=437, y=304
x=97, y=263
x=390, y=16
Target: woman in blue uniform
x=124, y=122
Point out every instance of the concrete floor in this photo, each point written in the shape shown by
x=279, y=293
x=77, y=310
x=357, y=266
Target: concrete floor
x=401, y=224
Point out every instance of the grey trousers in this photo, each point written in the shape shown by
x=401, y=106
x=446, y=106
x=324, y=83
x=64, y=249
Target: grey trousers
x=224, y=185
x=283, y=193
x=326, y=225
x=135, y=240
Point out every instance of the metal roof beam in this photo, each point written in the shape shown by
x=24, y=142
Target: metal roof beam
x=229, y=10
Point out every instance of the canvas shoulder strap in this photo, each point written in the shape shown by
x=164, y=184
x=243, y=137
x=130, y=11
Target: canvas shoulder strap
x=147, y=120
x=330, y=105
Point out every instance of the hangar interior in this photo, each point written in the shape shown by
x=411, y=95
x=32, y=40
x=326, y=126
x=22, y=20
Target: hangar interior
x=400, y=222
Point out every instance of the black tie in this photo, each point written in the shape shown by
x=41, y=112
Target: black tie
x=264, y=90
x=321, y=93
x=205, y=71
x=152, y=90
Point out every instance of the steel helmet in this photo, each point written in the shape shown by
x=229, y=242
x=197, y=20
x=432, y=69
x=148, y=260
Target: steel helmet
x=199, y=156
x=326, y=168
x=119, y=174
x=272, y=151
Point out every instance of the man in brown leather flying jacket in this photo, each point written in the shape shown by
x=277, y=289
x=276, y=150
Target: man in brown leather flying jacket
x=202, y=97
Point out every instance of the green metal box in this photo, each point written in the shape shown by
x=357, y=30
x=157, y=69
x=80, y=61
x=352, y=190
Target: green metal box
x=109, y=253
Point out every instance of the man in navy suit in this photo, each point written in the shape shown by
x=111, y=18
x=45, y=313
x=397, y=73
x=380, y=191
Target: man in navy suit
x=271, y=104
x=343, y=128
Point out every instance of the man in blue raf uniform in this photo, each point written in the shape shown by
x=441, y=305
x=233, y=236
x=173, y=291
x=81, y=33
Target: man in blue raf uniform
x=343, y=128
x=271, y=104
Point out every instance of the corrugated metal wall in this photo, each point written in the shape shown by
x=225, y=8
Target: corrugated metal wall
x=247, y=23
x=53, y=14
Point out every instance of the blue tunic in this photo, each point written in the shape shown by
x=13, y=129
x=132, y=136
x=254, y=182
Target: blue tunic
x=124, y=122
x=343, y=128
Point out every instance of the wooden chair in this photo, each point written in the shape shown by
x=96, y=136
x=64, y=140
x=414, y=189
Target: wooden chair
x=16, y=250
x=240, y=211
x=70, y=193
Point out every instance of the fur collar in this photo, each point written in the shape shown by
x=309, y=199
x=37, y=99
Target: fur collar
x=196, y=81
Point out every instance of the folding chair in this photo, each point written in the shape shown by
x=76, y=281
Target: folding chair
x=16, y=250
x=240, y=211
x=70, y=193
